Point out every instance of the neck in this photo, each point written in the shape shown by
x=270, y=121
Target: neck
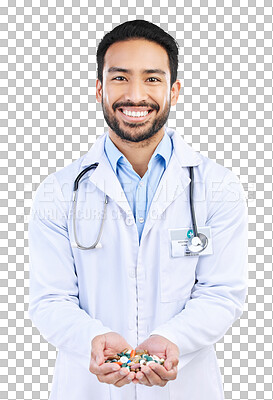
x=138, y=154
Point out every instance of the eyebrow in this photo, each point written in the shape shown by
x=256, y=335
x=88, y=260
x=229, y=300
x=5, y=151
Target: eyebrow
x=144, y=71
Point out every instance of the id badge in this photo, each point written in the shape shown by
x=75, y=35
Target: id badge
x=179, y=242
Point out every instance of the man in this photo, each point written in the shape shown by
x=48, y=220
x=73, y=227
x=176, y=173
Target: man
x=141, y=287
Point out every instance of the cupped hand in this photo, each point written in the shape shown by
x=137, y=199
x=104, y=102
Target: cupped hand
x=154, y=373
x=104, y=346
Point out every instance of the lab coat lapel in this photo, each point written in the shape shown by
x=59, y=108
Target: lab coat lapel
x=173, y=184
x=175, y=180
x=104, y=177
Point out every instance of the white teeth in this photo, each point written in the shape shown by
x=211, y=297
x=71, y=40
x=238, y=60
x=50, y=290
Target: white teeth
x=135, y=114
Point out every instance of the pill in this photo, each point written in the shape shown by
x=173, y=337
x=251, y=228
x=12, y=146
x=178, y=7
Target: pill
x=123, y=359
x=134, y=359
x=125, y=350
x=135, y=366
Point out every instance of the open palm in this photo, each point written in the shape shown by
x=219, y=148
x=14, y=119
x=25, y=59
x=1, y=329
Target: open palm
x=113, y=344
x=155, y=346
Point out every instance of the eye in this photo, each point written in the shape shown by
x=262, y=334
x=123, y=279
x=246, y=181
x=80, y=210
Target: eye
x=118, y=77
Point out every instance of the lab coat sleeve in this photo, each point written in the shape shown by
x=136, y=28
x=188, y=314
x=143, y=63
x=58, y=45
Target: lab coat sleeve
x=53, y=300
x=217, y=299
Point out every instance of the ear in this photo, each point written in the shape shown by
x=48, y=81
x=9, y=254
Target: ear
x=98, y=91
x=175, y=92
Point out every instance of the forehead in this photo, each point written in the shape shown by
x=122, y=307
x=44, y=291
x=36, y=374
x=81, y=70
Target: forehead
x=136, y=54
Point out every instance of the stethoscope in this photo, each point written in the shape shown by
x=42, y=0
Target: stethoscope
x=196, y=244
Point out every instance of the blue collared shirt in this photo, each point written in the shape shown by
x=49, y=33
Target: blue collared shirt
x=140, y=191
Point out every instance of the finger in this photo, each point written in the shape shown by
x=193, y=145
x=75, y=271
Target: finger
x=118, y=378
x=163, y=373
x=110, y=378
x=170, y=363
x=103, y=369
x=142, y=379
x=125, y=380
x=115, y=378
x=152, y=377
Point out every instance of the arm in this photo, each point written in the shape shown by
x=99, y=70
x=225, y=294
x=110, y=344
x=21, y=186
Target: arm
x=218, y=296
x=54, y=304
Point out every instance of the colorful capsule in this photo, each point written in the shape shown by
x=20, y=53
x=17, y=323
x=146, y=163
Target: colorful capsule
x=133, y=359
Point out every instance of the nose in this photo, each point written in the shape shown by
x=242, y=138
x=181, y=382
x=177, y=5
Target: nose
x=136, y=91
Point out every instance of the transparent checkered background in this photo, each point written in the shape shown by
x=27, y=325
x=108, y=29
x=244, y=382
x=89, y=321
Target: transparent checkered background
x=49, y=117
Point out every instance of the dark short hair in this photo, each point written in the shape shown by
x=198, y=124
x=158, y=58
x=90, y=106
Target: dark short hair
x=139, y=29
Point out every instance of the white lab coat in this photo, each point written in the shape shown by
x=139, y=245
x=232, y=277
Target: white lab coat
x=137, y=289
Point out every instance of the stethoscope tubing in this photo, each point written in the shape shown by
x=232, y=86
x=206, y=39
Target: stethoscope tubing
x=75, y=195
x=203, y=238
x=194, y=226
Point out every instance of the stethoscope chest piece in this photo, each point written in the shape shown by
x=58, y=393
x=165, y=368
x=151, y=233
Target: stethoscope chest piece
x=198, y=243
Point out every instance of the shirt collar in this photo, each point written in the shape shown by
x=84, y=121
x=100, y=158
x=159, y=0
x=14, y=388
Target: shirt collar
x=163, y=150
x=184, y=153
x=112, y=152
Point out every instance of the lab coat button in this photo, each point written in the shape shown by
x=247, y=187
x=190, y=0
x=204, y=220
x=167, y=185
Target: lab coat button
x=129, y=221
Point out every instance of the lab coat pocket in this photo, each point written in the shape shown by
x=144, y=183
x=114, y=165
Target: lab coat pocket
x=200, y=379
x=177, y=274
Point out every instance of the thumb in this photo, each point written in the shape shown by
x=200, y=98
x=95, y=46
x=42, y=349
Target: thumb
x=168, y=364
x=99, y=359
x=171, y=361
x=98, y=344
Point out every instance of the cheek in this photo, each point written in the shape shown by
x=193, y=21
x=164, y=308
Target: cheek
x=105, y=97
x=165, y=102
x=112, y=95
x=161, y=97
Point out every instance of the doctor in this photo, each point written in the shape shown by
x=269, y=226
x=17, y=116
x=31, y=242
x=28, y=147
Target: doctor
x=140, y=286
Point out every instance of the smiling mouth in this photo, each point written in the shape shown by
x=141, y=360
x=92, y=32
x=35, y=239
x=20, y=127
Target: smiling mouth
x=135, y=116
